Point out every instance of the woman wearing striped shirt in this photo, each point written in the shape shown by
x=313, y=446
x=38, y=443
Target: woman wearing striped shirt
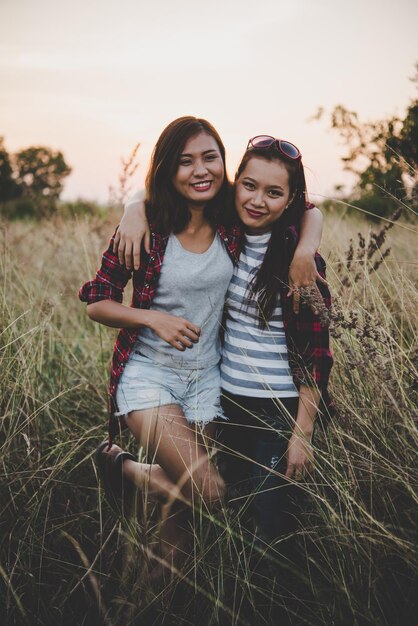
x=275, y=363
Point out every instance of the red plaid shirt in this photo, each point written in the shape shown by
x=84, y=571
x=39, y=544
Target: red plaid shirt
x=308, y=341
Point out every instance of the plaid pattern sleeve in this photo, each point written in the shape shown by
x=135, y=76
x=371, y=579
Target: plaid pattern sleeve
x=110, y=280
x=310, y=357
x=308, y=338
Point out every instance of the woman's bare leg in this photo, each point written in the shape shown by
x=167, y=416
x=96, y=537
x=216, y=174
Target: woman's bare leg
x=182, y=454
x=180, y=450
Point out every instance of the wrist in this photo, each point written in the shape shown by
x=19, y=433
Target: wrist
x=304, y=252
x=302, y=434
x=146, y=318
x=304, y=429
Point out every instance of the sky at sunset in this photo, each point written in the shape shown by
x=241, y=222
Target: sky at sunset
x=92, y=78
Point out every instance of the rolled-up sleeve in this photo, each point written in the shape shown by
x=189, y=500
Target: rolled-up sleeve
x=311, y=357
x=110, y=280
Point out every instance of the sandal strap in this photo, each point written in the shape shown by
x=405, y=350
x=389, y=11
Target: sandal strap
x=120, y=458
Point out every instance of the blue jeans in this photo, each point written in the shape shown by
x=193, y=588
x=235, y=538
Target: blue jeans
x=252, y=459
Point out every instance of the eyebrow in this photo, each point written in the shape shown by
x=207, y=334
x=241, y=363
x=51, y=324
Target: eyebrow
x=187, y=154
x=269, y=186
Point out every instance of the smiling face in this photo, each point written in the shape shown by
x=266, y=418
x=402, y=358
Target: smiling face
x=262, y=194
x=201, y=170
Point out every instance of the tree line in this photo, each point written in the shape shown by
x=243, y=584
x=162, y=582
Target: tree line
x=31, y=180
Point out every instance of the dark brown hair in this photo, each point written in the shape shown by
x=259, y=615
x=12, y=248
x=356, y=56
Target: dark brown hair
x=166, y=209
x=273, y=272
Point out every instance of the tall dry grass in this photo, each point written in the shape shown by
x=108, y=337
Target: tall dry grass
x=66, y=558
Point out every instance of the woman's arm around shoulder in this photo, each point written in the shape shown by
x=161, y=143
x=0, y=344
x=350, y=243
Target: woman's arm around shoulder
x=132, y=230
x=302, y=271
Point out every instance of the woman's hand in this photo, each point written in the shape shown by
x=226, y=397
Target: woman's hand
x=299, y=450
x=132, y=229
x=299, y=456
x=302, y=271
x=303, y=274
x=177, y=331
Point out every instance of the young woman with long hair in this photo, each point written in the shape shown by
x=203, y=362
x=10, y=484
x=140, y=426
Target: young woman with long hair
x=165, y=381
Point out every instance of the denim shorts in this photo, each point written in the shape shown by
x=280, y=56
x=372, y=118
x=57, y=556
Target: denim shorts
x=145, y=384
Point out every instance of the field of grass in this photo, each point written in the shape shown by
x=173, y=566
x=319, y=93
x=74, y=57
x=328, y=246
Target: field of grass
x=65, y=558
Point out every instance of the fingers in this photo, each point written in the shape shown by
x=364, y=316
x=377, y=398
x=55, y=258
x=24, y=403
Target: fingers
x=308, y=468
x=128, y=255
x=116, y=241
x=299, y=458
x=121, y=251
x=181, y=344
x=147, y=242
x=119, y=246
x=290, y=471
x=296, y=472
x=310, y=296
x=296, y=300
x=136, y=253
x=193, y=332
x=186, y=338
x=129, y=250
x=299, y=469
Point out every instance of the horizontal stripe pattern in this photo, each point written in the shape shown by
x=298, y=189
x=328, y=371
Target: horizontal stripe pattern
x=253, y=358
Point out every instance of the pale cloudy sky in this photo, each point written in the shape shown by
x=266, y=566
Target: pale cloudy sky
x=94, y=77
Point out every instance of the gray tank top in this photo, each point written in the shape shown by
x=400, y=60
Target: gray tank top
x=192, y=286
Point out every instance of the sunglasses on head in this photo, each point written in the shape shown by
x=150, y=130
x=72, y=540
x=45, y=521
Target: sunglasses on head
x=288, y=149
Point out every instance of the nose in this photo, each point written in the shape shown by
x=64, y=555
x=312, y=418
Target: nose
x=258, y=199
x=200, y=168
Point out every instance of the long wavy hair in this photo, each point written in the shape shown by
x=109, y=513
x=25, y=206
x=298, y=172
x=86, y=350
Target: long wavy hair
x=272, y=275
x=166, y=209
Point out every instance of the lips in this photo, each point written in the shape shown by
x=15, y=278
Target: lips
x=254, y=214
x=204, y=185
